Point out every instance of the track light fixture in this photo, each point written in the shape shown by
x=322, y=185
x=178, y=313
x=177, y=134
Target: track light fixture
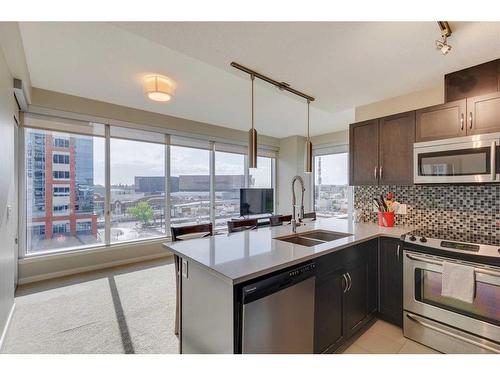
x=443, y=45
x=252, y=135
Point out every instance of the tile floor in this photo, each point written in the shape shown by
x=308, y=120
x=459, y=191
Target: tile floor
x=385, y=338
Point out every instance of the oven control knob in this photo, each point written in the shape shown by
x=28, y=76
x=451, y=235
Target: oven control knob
x=413, y=238
x=423, y=239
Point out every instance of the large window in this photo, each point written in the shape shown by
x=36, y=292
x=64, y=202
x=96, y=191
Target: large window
x=62, y=188
x=262, y=176
x=229, y=179
x=189, y=185
x=80, y=193
x=137, y=199
x=331, y=193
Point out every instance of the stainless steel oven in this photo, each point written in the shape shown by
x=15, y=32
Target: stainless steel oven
x=447, y=324
x=471, y=159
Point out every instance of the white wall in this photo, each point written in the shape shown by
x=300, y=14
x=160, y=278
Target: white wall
x=8, y=194
x=331, y=139
x=403, y=103
x=291, y=163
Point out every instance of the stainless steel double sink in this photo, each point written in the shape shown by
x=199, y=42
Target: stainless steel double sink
x=313, y=238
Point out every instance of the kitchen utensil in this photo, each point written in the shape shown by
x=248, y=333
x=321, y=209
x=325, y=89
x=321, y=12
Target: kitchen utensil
x=383, y=203
x=377, y=204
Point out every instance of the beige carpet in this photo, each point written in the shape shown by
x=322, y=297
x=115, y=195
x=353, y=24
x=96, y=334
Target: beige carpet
x=127, y=309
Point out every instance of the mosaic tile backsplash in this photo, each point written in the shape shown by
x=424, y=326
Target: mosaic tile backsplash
x=468, y=213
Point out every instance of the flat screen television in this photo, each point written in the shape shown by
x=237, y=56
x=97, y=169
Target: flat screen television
x=256, y=201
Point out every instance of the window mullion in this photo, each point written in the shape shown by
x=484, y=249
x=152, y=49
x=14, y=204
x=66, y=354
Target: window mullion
x=212, y=183
x=107, y=194
x=167, y=211
x=247, y=172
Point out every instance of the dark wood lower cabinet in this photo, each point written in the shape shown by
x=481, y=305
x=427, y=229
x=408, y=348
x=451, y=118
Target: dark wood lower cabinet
x=328, y=329
x=345, y=296
x=390, y=281
x=356, y=296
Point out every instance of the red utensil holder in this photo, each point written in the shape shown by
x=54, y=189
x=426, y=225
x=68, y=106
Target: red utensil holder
x=389, y=219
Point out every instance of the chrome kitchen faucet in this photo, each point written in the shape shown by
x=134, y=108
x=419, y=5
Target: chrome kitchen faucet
x=294, y=222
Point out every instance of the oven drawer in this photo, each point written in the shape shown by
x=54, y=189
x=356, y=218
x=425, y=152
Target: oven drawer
x=444, y=338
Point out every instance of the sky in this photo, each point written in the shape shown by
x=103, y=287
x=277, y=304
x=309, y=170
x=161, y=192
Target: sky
x=132, y=158
x=333, y=169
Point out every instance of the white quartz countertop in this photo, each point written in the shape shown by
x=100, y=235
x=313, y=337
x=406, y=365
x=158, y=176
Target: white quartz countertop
x=242, y=256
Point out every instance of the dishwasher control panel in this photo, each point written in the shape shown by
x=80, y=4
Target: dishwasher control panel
x=301, y=270
x=275, y=283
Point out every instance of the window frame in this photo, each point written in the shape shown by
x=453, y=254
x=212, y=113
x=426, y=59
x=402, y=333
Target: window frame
x=212, y=146
x=331, y=149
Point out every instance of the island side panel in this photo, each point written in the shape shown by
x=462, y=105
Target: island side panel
x=206, y=311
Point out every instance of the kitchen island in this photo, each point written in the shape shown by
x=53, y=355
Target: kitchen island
x=216, y=270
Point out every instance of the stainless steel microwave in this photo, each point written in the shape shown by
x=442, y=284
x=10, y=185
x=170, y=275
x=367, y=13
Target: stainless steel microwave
x=471, y=159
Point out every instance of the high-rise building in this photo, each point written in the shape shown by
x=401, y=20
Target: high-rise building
x=59, y=170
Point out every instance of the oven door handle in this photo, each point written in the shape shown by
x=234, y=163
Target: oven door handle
x=451, y=334
x=439, y=263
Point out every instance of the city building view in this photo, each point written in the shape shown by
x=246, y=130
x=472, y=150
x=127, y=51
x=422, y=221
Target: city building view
x=60, y=191
x=66, y=189
x=331, y=188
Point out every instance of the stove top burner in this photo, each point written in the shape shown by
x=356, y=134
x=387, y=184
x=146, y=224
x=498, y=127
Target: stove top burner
x=465, y=243
x=422, y=234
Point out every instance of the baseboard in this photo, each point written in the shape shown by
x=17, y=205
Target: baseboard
x=6, y=328
x=95, y=267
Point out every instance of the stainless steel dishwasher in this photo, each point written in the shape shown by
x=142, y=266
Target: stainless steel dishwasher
x=278, y=313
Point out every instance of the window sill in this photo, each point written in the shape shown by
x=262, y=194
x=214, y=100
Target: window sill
x=30, y=258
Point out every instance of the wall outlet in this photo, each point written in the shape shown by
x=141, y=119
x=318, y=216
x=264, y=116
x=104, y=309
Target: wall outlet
x=402, y=209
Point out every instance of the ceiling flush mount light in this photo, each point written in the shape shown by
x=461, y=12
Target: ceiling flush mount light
x=158, y=88
x=443, y=45
x=252, y=141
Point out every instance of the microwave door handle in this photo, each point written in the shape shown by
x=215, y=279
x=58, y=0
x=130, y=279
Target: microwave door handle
x=493, y=160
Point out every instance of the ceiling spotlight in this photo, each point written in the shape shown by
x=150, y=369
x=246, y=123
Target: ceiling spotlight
x=443, y=45
x=158, y=88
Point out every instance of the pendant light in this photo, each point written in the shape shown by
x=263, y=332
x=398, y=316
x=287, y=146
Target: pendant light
x=252, y=136
x=309, y=148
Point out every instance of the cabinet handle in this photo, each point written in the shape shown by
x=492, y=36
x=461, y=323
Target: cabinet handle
x=380, y=170
x=350, y=281
x=462, y=121
x=470, y=120
x=375, y=172
x=346, y=283
x=397, y=252
x=493, y=160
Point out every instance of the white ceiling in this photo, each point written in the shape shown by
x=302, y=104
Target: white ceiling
x=343, y=65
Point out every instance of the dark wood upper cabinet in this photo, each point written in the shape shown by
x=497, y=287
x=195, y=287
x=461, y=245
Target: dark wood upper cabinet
x=381, y=150
x=474, y=81
x=390, y=281
x=363, y=150
x=483, y=114
x=396, y=137
x=441, y=121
